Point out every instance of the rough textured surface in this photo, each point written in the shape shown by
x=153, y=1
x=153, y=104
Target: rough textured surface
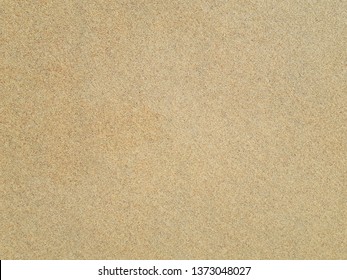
x=173, y=129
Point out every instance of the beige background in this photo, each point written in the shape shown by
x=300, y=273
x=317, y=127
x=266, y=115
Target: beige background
x=173, y=129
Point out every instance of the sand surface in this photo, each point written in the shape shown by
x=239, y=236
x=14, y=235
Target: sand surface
x=176, y=129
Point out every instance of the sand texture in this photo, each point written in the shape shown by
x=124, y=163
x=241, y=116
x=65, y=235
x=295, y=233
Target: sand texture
x=173, y=129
